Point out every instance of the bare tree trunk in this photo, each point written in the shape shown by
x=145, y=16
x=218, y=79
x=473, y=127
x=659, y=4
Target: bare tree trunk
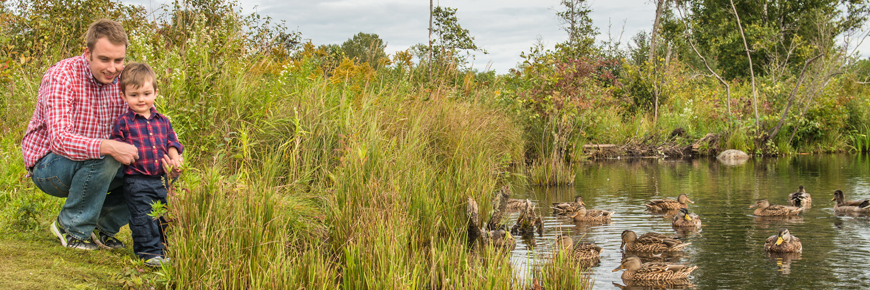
x=775, y=130
x=719, y=78
x=751, y=72
x=430, y=48
x=652, y=46
x=654, y=61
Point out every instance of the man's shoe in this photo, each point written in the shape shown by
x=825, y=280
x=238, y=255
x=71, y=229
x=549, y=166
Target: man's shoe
x=105, y=241
x=70, y=241
x=156, y=261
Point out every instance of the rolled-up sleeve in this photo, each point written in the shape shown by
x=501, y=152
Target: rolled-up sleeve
x=172, y=138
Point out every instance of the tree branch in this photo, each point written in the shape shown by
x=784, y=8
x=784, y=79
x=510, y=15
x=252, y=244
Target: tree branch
x=751, y=72
x=775, y=130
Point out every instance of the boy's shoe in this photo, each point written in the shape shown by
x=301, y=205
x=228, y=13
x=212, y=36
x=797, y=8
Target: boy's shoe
x=156, y=261
x=105, y=241
x=70, y=241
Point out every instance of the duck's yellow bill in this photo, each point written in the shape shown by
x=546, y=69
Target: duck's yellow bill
x=778, y=241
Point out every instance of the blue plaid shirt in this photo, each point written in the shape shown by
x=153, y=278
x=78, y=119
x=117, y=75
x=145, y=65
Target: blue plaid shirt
x=152, y=136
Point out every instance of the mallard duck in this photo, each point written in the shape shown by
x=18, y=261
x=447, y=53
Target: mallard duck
x=652, y=271
x=563, y=208
x=764, y=208
x=650, y=242
x=669, y=204
x=591, y=215
x=686, y=219
x=800, y=198
x=783, y=242
x=850, y=207
x=584, y=252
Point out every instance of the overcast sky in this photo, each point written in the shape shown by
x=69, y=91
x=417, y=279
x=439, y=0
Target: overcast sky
x=503, y=27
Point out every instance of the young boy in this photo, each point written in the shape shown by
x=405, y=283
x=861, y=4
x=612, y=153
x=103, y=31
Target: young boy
x=144, y=179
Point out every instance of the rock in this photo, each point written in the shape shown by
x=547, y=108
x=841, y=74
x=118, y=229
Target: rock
x=732, y=157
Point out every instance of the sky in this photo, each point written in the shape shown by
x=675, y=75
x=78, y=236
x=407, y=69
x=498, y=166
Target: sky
x=504, y=28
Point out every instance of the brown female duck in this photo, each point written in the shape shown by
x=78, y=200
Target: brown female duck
x=842, y=206
x=650, y=242
x=764, y=208
x=591, y=215
x=800, y=198
x=652, y=271
x=783, y=242
x=685, y=219
x=563, y=208
x=584, y=252
x=657, y=205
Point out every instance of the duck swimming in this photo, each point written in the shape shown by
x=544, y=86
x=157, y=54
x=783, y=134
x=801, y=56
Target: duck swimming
x=685, y=219
x=783, y=242
x=652, y=271
x=764, y=208
x=800, y=198
x=657, y=205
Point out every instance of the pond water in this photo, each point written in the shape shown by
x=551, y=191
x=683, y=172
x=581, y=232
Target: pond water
x=729, y=248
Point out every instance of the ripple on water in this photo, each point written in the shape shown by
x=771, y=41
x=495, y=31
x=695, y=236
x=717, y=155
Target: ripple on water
x=729, y=248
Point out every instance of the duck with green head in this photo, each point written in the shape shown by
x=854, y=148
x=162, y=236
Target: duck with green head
x=800, y=198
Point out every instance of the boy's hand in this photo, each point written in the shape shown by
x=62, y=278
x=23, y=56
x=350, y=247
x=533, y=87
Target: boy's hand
x=173, y=166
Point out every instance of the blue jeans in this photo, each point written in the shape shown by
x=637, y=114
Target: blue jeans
x=85, y=185
x=149, y=237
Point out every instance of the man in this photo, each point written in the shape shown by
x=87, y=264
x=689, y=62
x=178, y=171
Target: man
x=66, y=147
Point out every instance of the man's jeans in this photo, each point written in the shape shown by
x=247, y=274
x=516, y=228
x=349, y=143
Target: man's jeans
x=84, y=184
x=148, y=233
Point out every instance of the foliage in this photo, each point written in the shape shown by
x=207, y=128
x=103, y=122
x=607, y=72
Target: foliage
x=365, y=47
x=581, y=33
x=449, y=42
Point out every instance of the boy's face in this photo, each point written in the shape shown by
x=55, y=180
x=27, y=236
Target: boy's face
x=106, y=61
x=140, y=99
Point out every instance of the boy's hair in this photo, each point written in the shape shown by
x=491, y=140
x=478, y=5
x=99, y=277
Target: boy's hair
x=111, y=30
x=136, y=74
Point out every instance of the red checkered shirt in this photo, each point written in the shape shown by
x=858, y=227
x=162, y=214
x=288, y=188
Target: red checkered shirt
x=73, y=113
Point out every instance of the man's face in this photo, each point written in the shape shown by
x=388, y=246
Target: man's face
x=106, y=61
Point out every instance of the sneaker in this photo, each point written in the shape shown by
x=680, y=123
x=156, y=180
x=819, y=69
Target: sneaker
x=105, y=241
x=156, y=261
x=70, y=241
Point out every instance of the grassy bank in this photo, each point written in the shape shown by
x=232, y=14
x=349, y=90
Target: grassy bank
x=309, y=171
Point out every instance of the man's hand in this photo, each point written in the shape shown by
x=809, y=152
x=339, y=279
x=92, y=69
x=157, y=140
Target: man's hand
x=172, y=166
x=123, y=152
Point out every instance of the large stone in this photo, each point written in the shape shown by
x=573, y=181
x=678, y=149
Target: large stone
x=733, y=157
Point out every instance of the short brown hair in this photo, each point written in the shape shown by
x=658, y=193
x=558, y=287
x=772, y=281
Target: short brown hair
x=136, y=74
x=111, y=30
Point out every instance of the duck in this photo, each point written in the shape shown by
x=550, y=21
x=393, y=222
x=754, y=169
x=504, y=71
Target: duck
x=585, y=252
x=685, y=219
x=852, y=206
x=515, y=205
x=563, y=208
x=650, y=242
x=764, y=208
x=652, y=271
x=669, y=204
x=800, y=198
x=783, y=242
x=591, y=215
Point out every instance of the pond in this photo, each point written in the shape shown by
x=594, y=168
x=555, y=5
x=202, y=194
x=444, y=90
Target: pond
x=729, y=248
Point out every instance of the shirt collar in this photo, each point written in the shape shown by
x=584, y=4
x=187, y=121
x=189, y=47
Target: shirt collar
x=92, y=78
x=154, y=113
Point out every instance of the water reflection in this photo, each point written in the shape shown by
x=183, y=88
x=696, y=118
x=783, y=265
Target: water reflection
x=729, y=248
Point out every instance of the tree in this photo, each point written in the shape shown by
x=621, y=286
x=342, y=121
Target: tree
x=581, y=34
x=365, y=48
x=450, y=39
x=778, y=32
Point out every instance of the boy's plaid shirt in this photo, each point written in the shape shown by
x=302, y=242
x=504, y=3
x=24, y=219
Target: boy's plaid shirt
x=152, y=137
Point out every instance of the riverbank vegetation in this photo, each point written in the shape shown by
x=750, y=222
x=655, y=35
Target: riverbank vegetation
x=324, y=166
